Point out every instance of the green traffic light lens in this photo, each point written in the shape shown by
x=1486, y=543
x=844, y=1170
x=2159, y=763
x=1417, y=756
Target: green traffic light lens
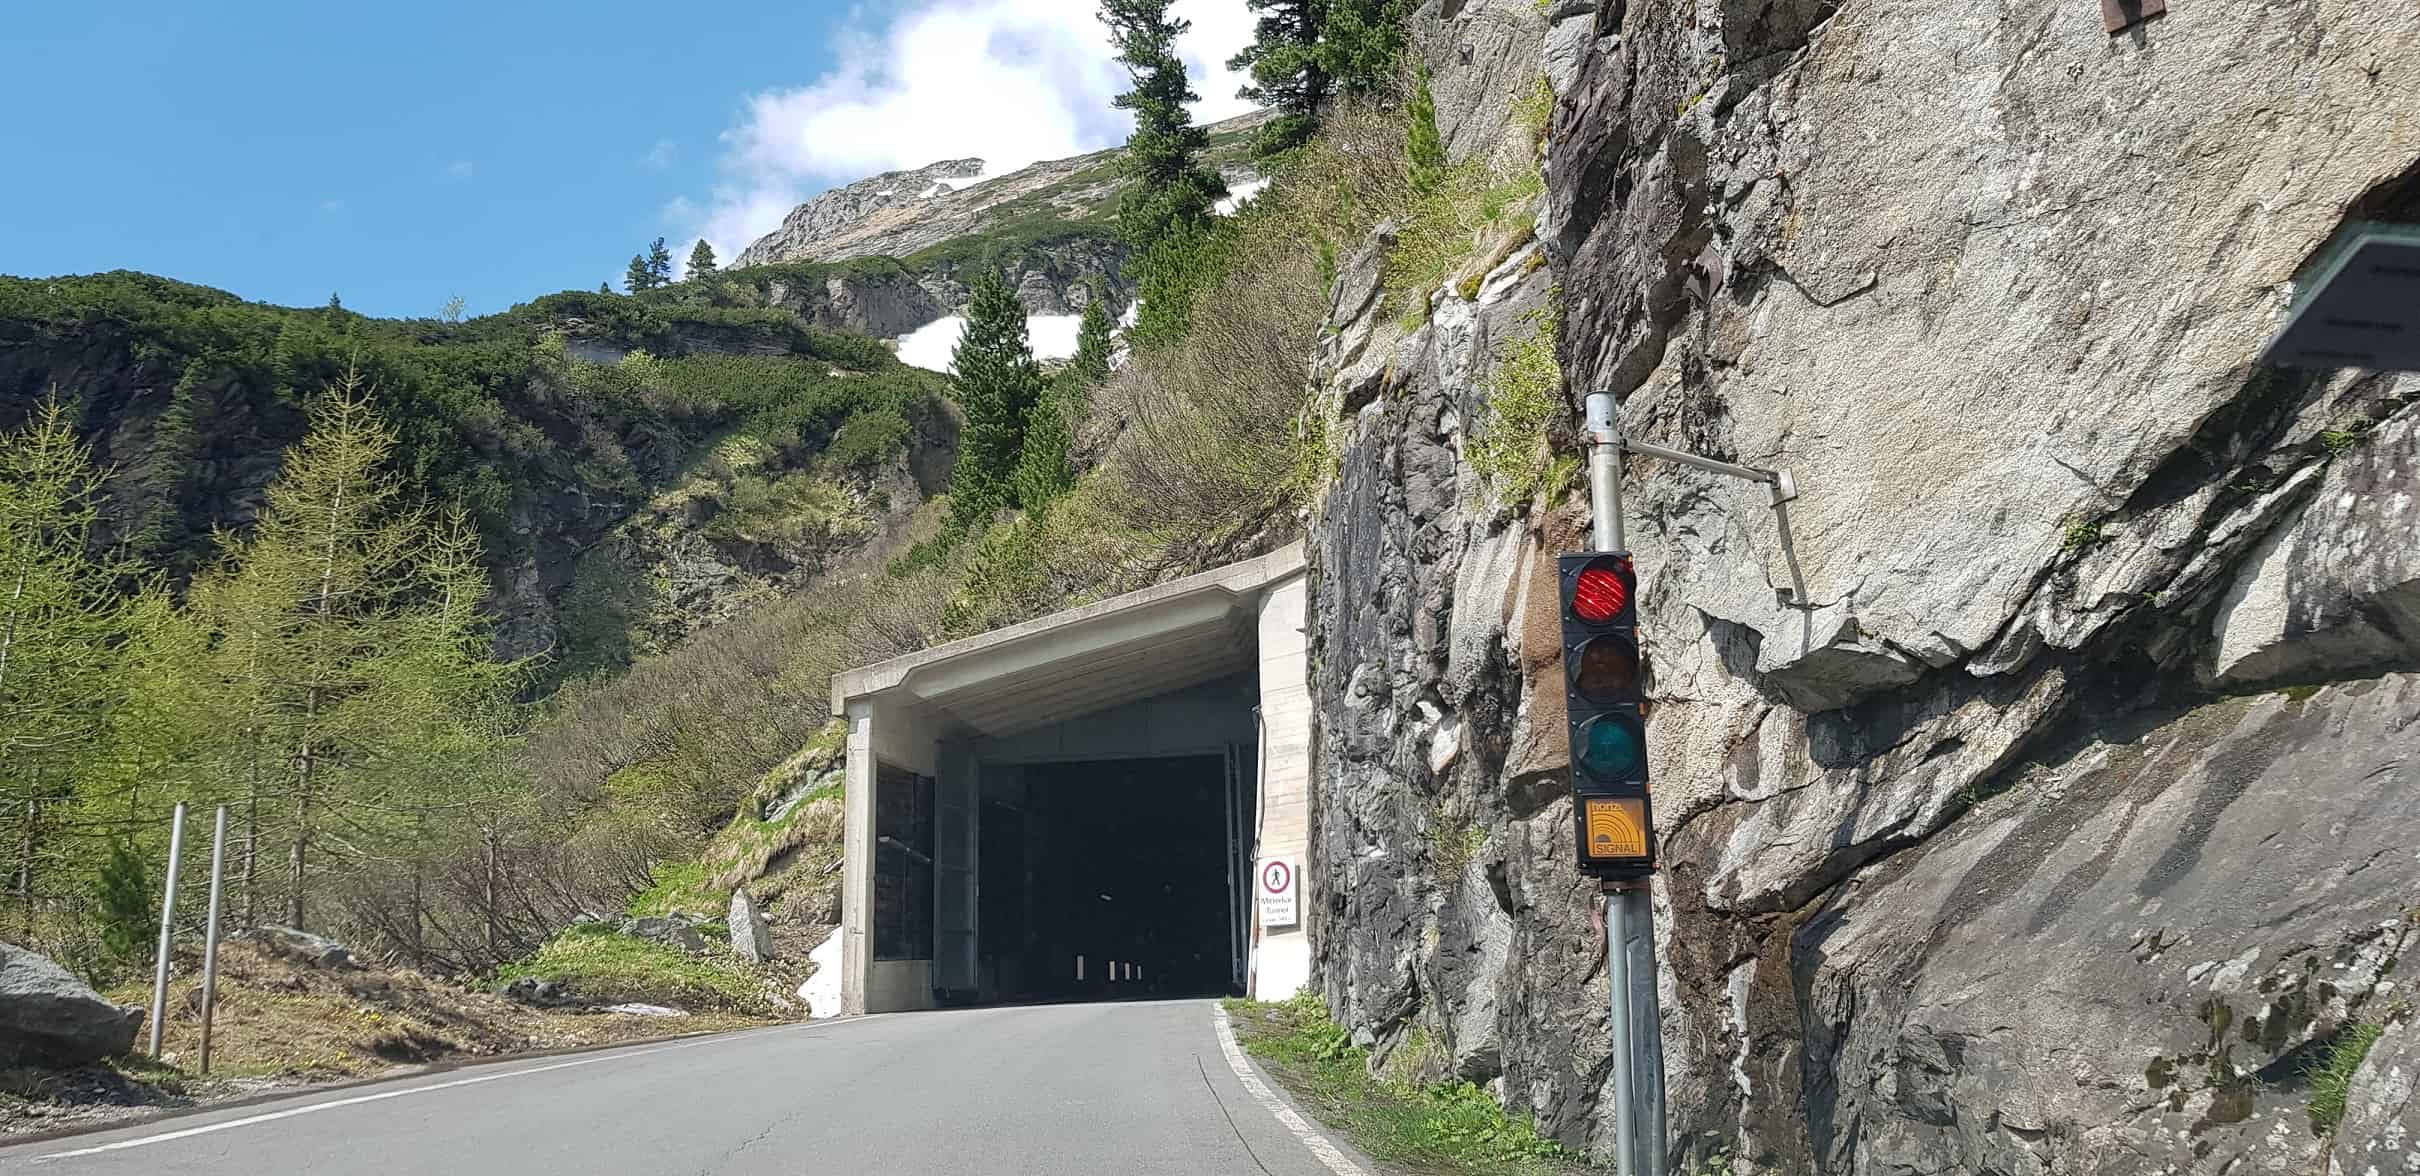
x=1611, y=749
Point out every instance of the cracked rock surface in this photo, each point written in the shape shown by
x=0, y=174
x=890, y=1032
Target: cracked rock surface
x=2036, y=790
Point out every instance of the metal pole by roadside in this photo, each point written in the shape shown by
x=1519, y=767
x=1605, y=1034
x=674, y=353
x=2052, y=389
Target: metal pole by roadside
x=218, y=864
x=1638, y=1043
x=159, y=974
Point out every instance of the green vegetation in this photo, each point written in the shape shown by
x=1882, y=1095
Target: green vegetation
x=1454, y=208
x=1524, y=398
x=2332, y=1076
x=1167, y=213
x=2339, y=441
x=2080, y=535
x=601, y=965
x=998, y=386
x=701, y=261
x=1444, y=1128
x=1304, y=52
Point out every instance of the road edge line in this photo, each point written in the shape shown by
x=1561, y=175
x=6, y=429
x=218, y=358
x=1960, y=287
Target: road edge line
x=1326, y=1152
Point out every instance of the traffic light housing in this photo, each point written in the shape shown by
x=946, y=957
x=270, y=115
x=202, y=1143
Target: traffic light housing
x=1604, y=693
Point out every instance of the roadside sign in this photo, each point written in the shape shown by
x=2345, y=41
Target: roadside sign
x=1278, y=883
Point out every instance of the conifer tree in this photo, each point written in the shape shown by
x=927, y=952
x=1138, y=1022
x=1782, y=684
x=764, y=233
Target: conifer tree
x=1424, y=146
x=1171, y=191
x=1283, y=63
x=701, y=260
x=1046, y=463
x=638, y=278
x=60, y=629
x=998, y=385
x=1096, y=341
x=659, y=265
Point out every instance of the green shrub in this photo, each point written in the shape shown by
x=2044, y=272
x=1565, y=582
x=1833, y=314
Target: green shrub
x=605, y=967
x=1511, y=449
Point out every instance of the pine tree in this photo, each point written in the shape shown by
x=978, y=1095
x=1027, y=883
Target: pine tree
x=638, y=278
x=701, y=260
x=1361, y=44
x=1283, y=62
x=659, y=265
x=1096, y=341
x=998, y=385
x=335, y=303
x=1046, y=462
x=604, y=287
x=1171, y=190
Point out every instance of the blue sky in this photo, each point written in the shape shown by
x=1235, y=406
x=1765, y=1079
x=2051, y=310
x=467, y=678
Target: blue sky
x=401, y=155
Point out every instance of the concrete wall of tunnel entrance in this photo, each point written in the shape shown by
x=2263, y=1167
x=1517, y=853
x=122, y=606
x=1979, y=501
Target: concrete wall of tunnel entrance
x=1081, y=685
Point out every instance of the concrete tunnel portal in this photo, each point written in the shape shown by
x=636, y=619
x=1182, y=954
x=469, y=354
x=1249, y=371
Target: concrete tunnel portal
x=1087, y=805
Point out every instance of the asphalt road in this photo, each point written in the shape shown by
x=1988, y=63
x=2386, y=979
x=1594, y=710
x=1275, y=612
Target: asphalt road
x=1100, y=1090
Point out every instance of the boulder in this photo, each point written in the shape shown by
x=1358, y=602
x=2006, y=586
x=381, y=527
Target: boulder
x=49, y=1017
x=675, y=932
x=750, y=939
x=530, y=990
x=302, y=947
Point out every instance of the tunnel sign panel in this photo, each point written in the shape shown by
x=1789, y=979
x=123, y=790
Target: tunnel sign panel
x=1277, y=888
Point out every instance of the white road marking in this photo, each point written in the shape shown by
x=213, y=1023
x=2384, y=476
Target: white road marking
x=1328, y=1154
x=357, y=1100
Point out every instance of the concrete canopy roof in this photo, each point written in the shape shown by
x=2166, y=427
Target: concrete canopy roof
x=1166, y=637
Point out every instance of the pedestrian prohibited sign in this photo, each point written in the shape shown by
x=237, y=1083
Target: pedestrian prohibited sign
x=1278, y=886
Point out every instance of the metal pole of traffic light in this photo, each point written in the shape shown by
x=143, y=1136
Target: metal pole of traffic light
x=1638, y=1026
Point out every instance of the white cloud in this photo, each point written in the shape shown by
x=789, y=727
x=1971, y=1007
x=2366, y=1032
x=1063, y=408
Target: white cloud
x=659, y=156
x=1010, y=81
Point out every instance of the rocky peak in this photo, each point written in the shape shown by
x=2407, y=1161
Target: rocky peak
x=813, y=229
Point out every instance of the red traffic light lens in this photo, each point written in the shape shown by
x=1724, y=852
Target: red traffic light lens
x=1600, y=595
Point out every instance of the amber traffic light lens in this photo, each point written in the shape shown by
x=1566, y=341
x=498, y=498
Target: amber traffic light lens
x=1600, y=594
x=1609, y=670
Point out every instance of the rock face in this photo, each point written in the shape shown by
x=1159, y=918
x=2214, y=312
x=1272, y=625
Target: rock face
x=1984, y=851
x=49, y=1017
x=1049, y=228
x=751, y=940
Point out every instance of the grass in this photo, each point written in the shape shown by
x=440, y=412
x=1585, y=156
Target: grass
x=606, y=966
x=2332, y=1077
x=1444, y=1129
x=2080, y=535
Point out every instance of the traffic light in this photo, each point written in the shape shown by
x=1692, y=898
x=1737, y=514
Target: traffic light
x=1605, y=696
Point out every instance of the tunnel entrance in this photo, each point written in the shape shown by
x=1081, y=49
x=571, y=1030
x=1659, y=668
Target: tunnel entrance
x=1102, y=879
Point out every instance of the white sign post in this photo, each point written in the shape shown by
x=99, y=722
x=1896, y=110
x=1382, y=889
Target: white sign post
x=1277, y=882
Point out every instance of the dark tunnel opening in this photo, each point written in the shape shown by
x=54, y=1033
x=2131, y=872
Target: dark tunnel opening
x=1109, y=879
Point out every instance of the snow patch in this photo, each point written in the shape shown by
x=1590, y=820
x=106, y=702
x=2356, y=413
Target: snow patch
x=930, y=345
x=1053, y=336
x=1240, y=195
x=644, y=1010
x=961, y=183
x=822, y=990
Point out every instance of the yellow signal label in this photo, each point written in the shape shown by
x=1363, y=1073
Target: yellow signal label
x=1616, y=826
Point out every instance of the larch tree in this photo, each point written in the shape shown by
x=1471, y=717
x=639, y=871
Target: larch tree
x=60, y=629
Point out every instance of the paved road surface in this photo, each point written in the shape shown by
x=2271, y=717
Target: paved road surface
x=1097, y=1090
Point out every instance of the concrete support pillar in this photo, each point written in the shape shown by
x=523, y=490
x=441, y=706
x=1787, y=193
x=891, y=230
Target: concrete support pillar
x=1282, y=960
x=857, y=863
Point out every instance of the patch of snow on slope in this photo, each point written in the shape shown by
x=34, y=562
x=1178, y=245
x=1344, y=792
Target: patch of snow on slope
x=1053, y=337
x=957, y=183
x=822, y=990
x=1239, y=195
